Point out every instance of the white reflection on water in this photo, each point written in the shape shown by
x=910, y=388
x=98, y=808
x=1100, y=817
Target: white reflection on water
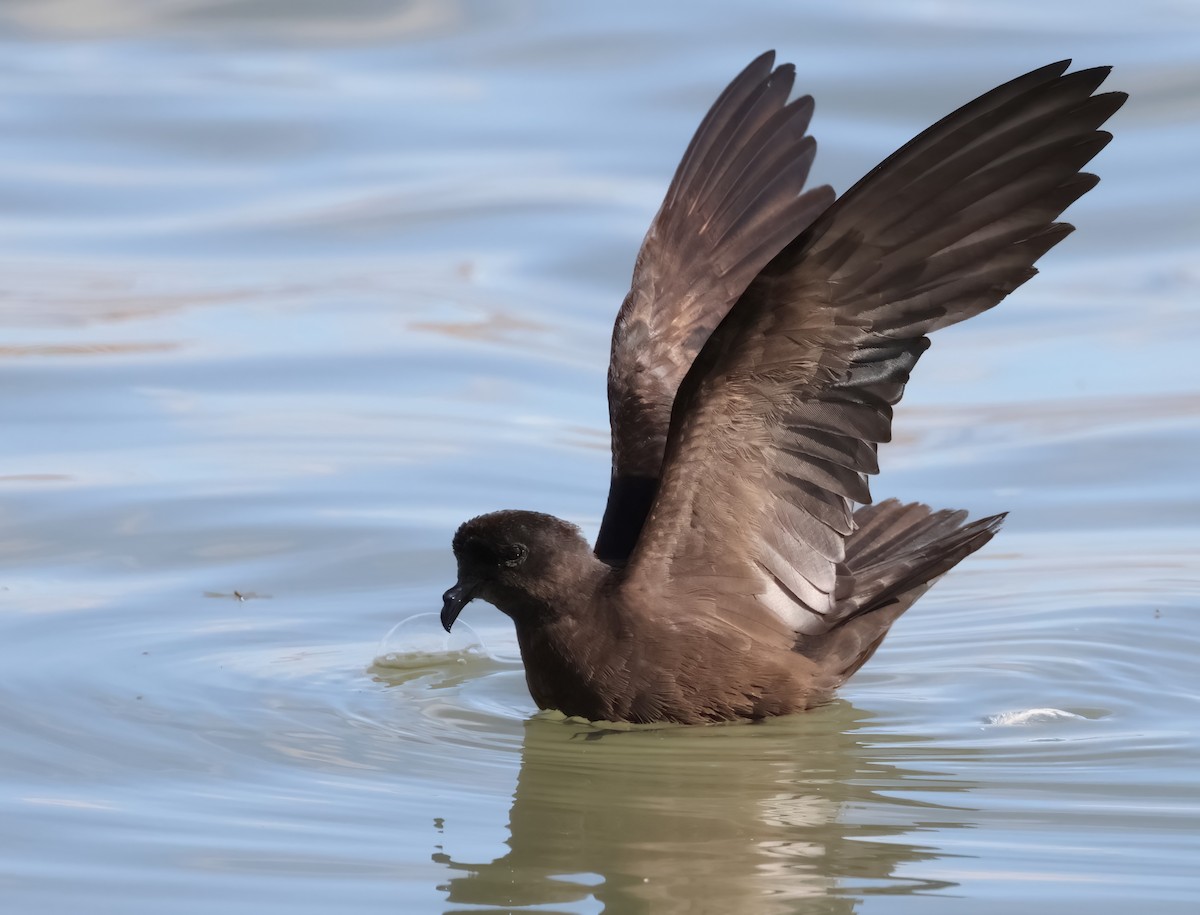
x=290, y=292
x=1032, y=716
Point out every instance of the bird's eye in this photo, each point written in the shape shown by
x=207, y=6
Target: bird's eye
x=515, y=555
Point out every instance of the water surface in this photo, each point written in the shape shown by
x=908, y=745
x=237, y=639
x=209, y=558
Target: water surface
x=290, y=291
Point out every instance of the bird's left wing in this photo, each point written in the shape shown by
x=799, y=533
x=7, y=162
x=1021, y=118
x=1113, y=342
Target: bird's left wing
x=735, y=201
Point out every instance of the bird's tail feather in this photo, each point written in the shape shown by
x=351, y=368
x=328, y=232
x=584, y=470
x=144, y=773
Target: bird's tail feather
x=896, y=554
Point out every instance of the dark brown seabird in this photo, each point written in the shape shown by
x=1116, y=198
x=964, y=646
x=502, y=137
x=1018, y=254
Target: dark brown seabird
x=768, y=332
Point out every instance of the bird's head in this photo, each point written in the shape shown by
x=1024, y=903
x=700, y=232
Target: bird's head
x=519, y=561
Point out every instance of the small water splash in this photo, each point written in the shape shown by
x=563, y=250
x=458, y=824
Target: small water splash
x=1031, y=716
x=420, y=642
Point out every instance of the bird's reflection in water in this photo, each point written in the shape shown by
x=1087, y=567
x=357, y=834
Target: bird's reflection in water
x=743, y=818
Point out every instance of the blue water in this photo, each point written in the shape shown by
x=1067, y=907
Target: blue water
x=292, y=290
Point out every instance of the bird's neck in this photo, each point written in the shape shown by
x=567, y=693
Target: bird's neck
x=569, y=635
x=571, y=656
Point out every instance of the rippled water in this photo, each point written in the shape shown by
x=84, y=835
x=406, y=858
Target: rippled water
x=290, y=290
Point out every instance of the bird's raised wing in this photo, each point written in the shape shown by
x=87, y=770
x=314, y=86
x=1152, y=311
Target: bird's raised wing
x=776, y=424
x=733, y=204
